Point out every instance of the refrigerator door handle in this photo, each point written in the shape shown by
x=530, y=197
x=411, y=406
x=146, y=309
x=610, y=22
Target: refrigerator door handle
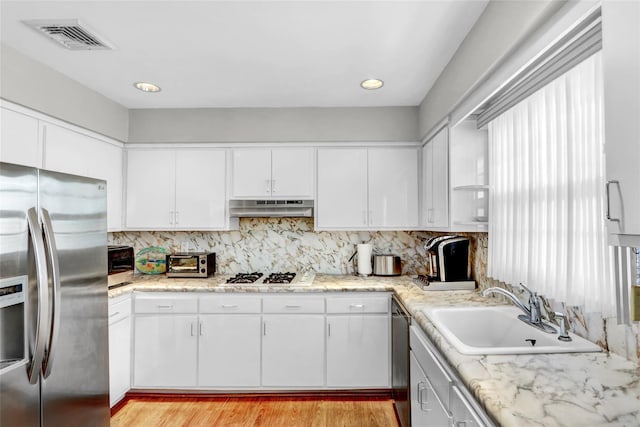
x=52, y=252
x=35, y=365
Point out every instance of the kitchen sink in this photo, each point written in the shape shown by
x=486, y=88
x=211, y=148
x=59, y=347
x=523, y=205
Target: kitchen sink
x=497, y=330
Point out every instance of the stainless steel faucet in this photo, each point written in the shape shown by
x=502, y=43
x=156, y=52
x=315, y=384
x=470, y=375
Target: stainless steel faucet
x=531, y=314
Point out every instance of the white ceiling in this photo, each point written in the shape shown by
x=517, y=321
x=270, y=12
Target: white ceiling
x=252, y=53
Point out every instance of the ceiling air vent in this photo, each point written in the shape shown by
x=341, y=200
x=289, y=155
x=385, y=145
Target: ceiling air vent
x=70, y=33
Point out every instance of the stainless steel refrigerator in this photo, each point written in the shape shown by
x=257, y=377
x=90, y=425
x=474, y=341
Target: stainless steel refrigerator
x=53, y=299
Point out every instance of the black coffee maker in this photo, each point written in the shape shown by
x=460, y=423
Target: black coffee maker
x=448, y=259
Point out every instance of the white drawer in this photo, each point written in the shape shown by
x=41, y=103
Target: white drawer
x=358, y=304
x=119, y=309
x=165, y=304
x=293, y=304
x=230, y=304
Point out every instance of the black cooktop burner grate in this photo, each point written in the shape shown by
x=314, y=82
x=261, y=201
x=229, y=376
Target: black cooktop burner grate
x=280, y=278
x=244, y=278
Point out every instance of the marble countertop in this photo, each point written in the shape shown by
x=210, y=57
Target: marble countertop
x=573, y=389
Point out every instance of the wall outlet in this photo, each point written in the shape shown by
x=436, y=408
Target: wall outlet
x=635, y=303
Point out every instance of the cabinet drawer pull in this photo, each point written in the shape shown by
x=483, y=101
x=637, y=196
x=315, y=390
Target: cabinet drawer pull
x=201, y=329
x=192, y=330
x=229, y=305
x=329, y=326
x=114, y=314
x=264, y=328
x=292, y=306
x=165, y=307
x=356, y=306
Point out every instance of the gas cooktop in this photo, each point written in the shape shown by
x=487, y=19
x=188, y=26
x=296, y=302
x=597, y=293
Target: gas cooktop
x=287, y=278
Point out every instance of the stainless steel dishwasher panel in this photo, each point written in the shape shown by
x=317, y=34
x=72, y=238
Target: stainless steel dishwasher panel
x=400, y=321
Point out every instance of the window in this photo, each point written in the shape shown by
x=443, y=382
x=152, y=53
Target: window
x=547, y=192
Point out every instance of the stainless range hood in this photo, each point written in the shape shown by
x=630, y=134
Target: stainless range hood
x=270, y=208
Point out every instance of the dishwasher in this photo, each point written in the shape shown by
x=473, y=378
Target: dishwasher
x=400, y=321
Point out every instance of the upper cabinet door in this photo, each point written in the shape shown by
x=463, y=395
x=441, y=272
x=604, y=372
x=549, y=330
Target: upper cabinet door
x=19, y=141
x=435, y=182
x=393, y=187
x=292, y=173
x=272, y=173
x=79, y=154
x=251, y=173
x=621, y=68
x=342, y=188
x=200, y=189
x=151, y=189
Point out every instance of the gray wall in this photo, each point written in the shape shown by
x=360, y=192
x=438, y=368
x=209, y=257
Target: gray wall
x=501, y=28
x=41, y=88
x=386, y=124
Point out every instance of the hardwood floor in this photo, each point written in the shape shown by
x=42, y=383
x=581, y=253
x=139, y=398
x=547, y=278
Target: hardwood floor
x=255, y=411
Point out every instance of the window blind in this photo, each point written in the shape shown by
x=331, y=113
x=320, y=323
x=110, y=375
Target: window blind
x=583, y=41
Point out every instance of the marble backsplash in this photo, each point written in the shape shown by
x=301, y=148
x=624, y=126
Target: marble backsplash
x=291, y=244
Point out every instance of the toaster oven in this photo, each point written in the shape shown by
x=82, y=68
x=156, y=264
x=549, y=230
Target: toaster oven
x=120, y=265
x=191, y=264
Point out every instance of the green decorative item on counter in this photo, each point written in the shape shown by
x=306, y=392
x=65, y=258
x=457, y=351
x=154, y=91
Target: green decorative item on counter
x=152, y=260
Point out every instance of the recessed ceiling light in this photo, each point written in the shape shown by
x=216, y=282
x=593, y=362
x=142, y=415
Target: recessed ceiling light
x=372, y=84
x=147, y=87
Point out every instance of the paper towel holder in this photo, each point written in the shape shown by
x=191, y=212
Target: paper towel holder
x=354, y=263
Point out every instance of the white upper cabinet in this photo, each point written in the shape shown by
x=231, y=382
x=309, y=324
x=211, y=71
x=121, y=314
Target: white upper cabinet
x=76, y=153
x=171, y=189
x=272, y=173
x=621, y=68
x=150, y=189
x=292, y=172
x=19, y=142
x=199, y=206
x=342, y=188
x=360, y=188
x=30, y=139
x=435, y=181
x=393, y=187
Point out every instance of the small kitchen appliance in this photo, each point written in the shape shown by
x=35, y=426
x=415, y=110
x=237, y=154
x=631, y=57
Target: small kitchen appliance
x=191, y=264
x=448, y=259
x=387, y=265
x=120, y=265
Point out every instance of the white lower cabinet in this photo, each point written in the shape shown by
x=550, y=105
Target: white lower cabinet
x=229, y=341
x=293, y=347
x=438, y=397
x=358, y=350
x=261, y=342
x=426, y=408
x=166, y=341
x=166, y=351
x=229, y=351
x=119, y=348
x=293, y=350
